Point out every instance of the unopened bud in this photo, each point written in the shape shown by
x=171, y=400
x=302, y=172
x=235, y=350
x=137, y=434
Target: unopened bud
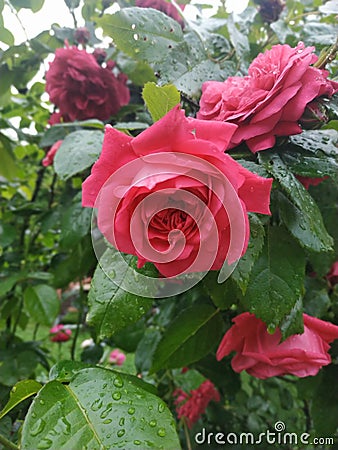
x=82, y=35
x=270, y=10
x=314, y=116
x=100, y=55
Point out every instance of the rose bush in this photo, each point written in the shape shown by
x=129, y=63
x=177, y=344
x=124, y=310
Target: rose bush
x=82, y=89
x=271, y=99
x=183, y=183
x=263, y=355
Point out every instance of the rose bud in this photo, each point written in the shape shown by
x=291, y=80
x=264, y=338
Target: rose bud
x=82, y=35
x=270, y=10
x=100, y=55
x=314, y=116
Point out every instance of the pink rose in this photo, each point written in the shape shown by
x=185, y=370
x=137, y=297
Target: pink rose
x=163, y=6
x=60, y=334
x=49, y=158
x=117, y=357
x=271, y=99
x=309, y=181
x=82, y=89
x=171, y=195
x=262, y=354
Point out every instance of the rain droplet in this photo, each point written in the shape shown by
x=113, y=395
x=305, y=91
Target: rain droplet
x=121, y=433
x=96, y=405
x=131, y=411
x=108, y=409
x=116, y=395
x=153, y=423
x=161, y=407
x=44, y=444
x=13, y=389
x=271, y=328
x=161, y=432
x=121, y=422
x=107, y=421
x=150, y=407
x=42, y=402
x=137, y=442
x=67, y=425
x=38, y=427
x=118, y=382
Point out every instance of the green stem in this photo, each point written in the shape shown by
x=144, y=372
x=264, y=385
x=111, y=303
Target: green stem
x=79, y=321
x=186, y=433
x=7, y=444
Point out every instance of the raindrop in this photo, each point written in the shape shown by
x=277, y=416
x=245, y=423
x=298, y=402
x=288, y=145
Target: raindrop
x=67, y=425
x=96, y=405
x=38, y=427
x=161, y=407
x=33, y=415
x=271, y=328
x=150, y=407
x=161, y=432
x=135, y=36
x=107, y=421
x=131, y=411
x=153, y=423
x=118, y=382
x=42, y=402
x=121, y=433
x=105, y=413
x=133, y=26
x=121, y=422
x=44, y=444
x=116, y=395
x=13, y=389
x=137, y=442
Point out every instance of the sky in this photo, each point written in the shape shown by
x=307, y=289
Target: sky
x=56, y=11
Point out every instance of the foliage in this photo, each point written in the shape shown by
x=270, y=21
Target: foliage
x=66, y=395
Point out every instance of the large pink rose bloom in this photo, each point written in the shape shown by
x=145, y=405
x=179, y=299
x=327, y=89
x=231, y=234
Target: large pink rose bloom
x=262, y=354
x=271, y=99
x=82, y=89
x=172, y=196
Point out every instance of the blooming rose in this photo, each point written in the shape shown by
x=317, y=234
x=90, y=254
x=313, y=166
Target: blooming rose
x=60, y=334
x=163, y=6
x=49, y=158
x=172, y=191
x=193, y=405
x=271, y=99
x=82, y=89
x=263, y=355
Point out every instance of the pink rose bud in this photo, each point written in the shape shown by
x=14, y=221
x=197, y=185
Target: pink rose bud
x=117, y=357
x=100, y=55
x=59, y=333
x=82, y=35
x=49, y=158
x=263, y=355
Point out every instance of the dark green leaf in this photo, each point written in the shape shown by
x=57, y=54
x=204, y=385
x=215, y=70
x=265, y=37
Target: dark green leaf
x=78, y=151
x=34, y=5
x=276, y=282
x=17, y=363
x=223, y=294
x=144, y=33
x=241, y=274
x=146, y=348
x=301, y=214
x=160, y=100
x=42, y=303
x=189, y=337
x=317, y=141
x=75, y=223
x=21, y=391
x=110, y=307
x=98, y=409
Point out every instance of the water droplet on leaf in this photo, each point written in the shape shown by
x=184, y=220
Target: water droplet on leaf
x=116, y=395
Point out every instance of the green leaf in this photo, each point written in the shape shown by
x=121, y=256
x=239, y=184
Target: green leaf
x=6, y=284
x=276, y=282
x=241, y=274
x=146, y=348
x=317, y=141
x=222, y=294
x=143, y=33
x=34, y=5
x=17, y=363
x=160, y=100
x=98, y=409
x=42, y=303
x=300, y=214
x=110, y=307
x=6, y=36
x=189, y=337
x=78, y=151
x=8, y=167
x=22, y=390
x=75, y=223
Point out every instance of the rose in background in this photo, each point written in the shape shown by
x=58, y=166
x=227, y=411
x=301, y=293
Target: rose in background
x=332, y=276
x=262, y=354
x=191, y=406
x=60, y=334
x=49, y=158
x=163, y=6
x=116, y=357
x=271, y=99
x=170, y=191
x=82, y=89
